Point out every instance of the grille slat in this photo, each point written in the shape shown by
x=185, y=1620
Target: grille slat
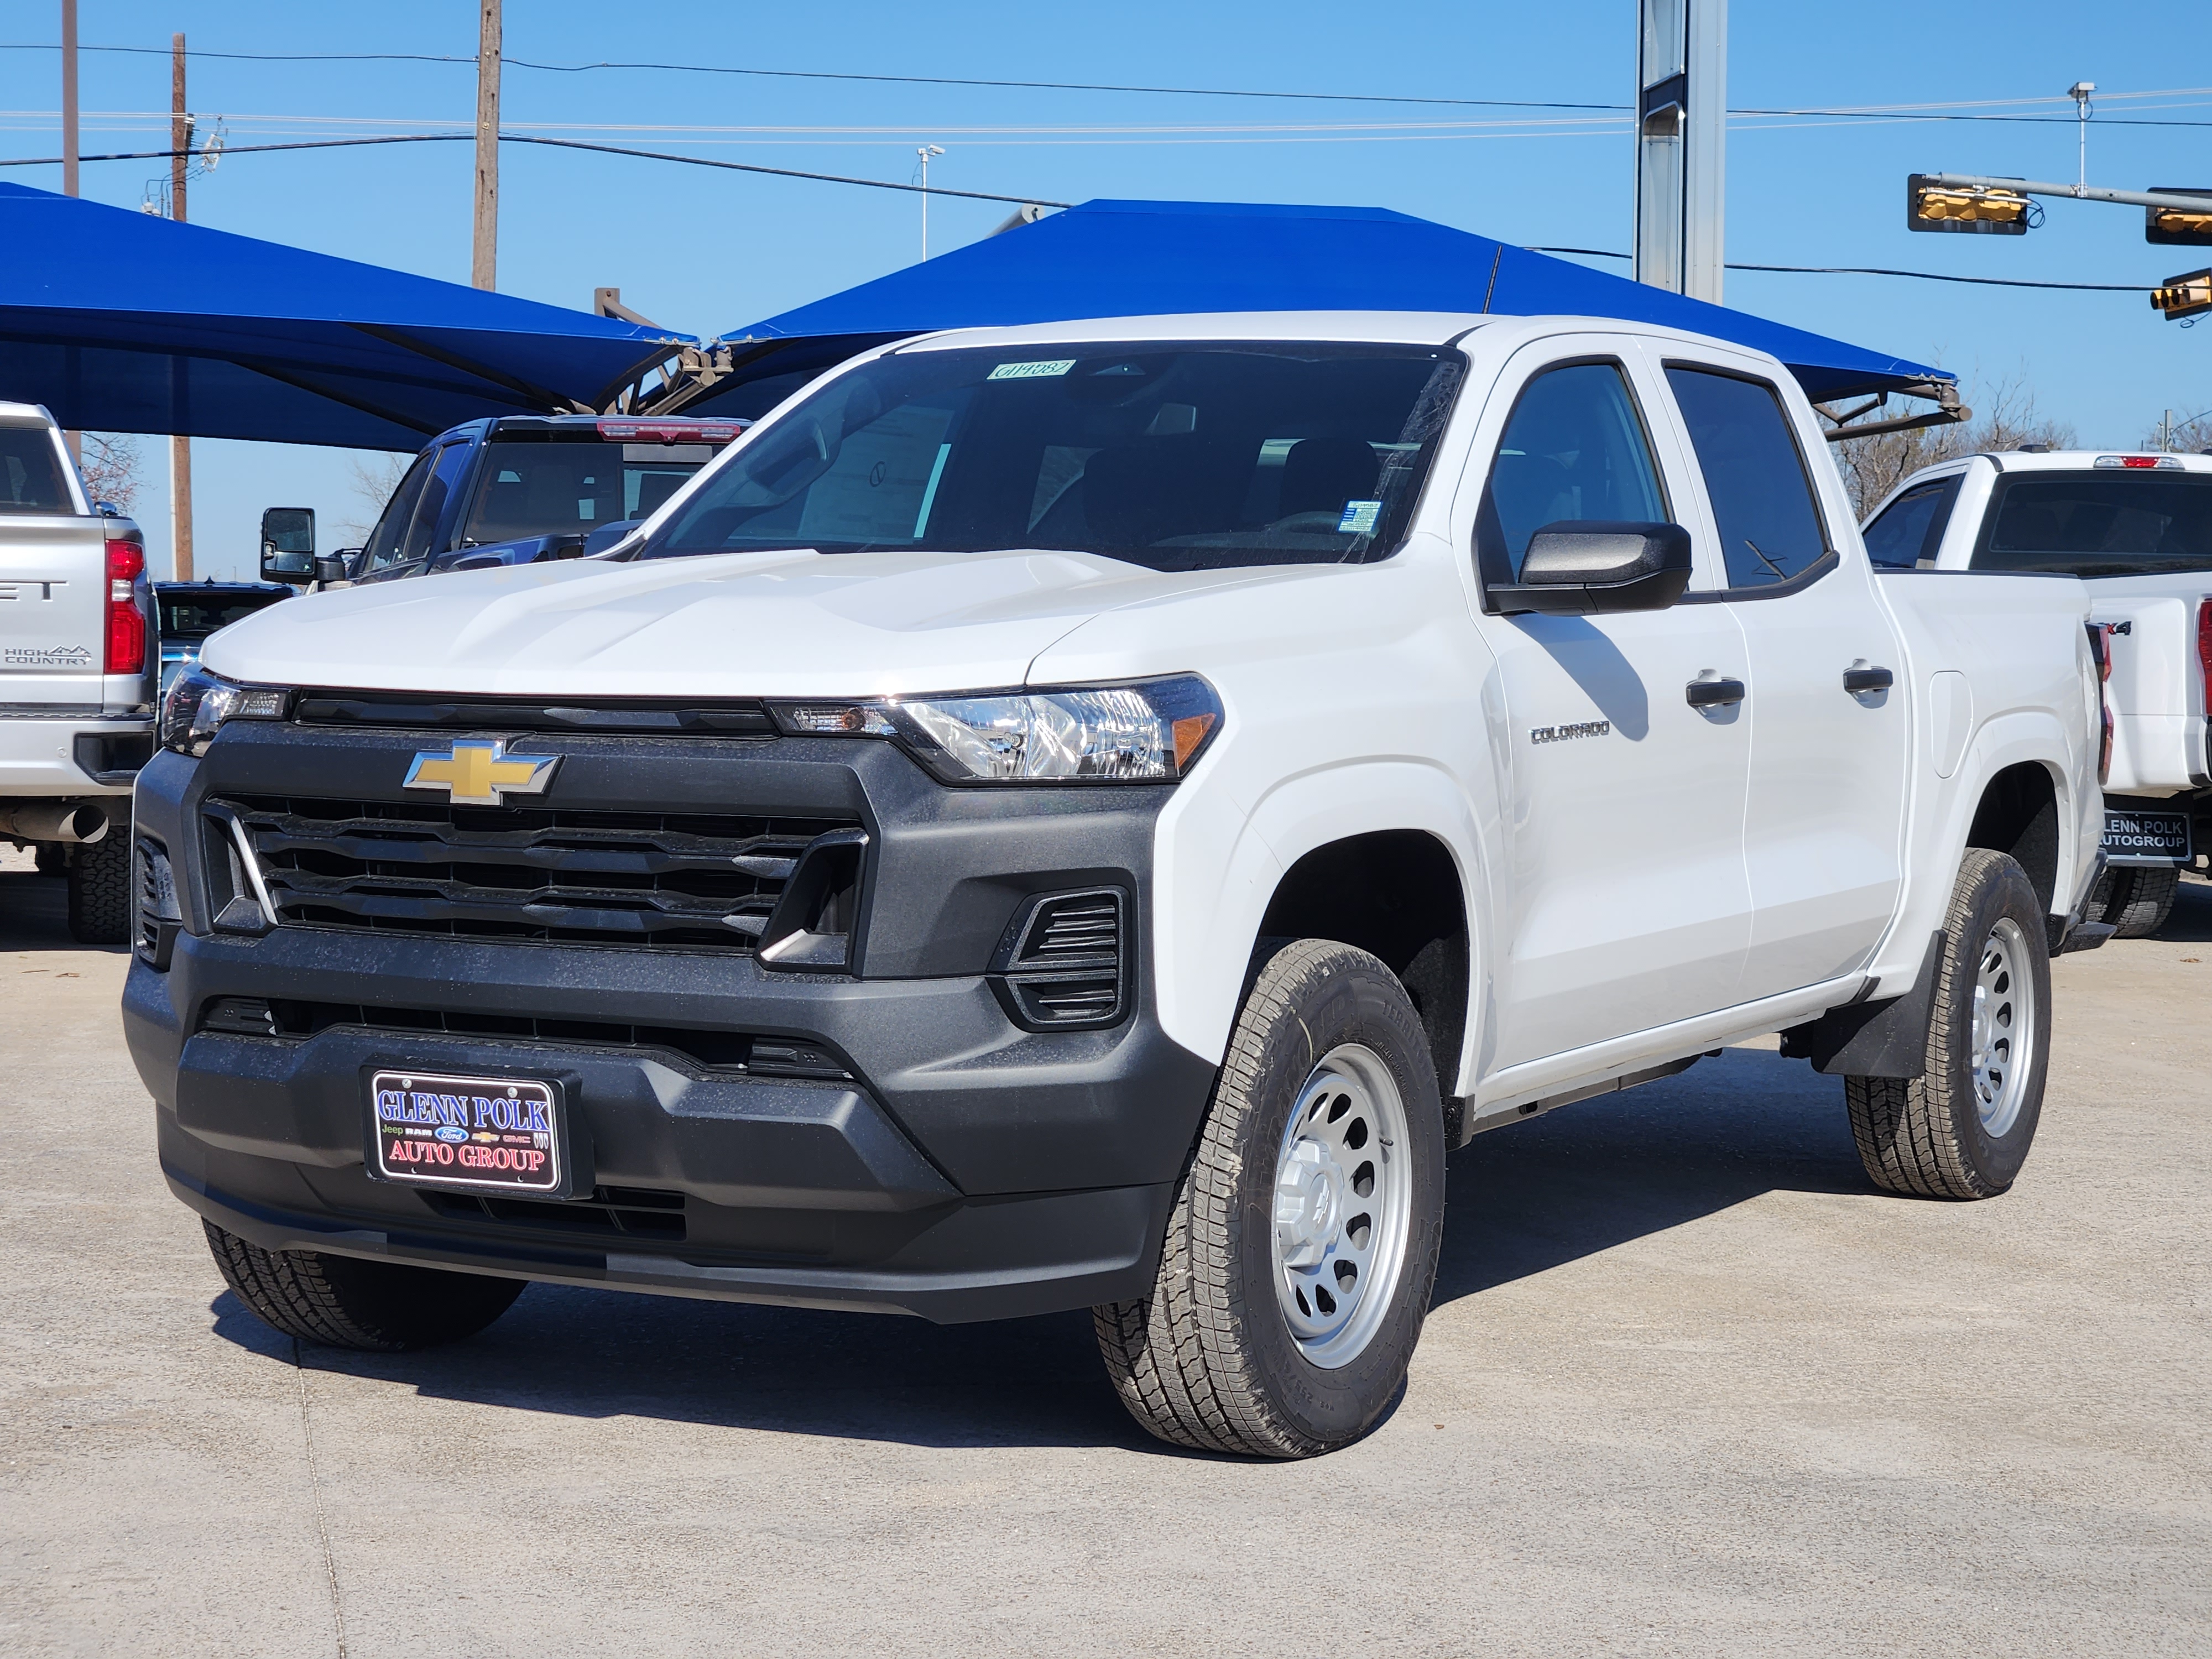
x=660, y=880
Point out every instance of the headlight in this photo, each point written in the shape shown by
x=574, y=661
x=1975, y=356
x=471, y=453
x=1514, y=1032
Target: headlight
x=198, y=702
x=1146, y=731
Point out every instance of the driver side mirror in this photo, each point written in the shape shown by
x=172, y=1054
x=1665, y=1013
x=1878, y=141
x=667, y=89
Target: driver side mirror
x=288, y=545
x=1585, y=567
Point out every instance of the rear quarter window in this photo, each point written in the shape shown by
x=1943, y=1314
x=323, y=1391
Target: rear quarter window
x=30, y=473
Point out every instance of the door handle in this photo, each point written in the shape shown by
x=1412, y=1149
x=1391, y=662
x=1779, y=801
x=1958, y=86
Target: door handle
x=1860, y=681
x=1713, y=693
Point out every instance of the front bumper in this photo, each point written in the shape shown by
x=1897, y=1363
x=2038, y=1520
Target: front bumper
x=892, y=1143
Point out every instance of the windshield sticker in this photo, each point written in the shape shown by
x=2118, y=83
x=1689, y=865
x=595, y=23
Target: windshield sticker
x=1051, y=371
x=1360, y=518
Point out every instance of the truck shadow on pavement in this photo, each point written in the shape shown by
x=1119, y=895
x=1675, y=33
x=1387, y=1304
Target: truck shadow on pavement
x=34, y=909
x=1567, y=1186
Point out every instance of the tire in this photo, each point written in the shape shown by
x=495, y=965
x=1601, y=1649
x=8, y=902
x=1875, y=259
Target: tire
x=1327, y=1066
x=344, y=1302
x=100, y=887
x=2142, y=899
x=1963, y=1129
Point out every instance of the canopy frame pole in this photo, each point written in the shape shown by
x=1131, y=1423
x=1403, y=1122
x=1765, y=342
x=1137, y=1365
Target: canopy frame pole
x=1948, y=412
x=552, y=402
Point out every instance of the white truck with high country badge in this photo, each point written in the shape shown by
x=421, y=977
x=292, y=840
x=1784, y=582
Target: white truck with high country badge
x=2137, y=529
x=77, y=674
x=1088, y=816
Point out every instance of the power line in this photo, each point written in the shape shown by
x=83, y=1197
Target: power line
x=556, y=143
x=1899, y=113
x=1883, y=271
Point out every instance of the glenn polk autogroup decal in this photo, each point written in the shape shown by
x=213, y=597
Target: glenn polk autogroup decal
x=464, y=1131
x=1568, y=733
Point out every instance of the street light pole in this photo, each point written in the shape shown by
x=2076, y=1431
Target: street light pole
x=73, y=440
x=926, y=151
x=181, y=447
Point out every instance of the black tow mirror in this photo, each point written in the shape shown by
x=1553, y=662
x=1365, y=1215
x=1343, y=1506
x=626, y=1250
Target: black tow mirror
x=1583, y=567
x=288, y=545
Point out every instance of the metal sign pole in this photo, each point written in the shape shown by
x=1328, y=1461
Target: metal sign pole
x=1681, y=132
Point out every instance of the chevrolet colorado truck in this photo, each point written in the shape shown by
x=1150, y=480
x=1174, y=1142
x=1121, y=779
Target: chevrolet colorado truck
x=76, y=674
x=1088, y=816
x=2137, y=529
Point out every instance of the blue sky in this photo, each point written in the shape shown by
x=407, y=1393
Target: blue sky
x=708, y=251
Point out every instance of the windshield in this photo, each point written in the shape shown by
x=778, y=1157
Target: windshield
x=530, y=487
x=1175, y=457
x=2099, y=524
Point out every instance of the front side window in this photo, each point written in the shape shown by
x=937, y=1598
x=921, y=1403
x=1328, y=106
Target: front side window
x=445, y=477
x=1176, y=457
x=1905, y=535
x=381, y=550
x=2098, y=524
x=1574, y=448
x=1754, y=477
x=30, y=473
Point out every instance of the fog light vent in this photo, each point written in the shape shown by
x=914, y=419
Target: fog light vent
x=1062, y=966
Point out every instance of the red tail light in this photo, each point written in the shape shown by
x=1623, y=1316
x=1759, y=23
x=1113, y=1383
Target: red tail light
x=2101, y=647
x=127, y=623
x=2204, y=649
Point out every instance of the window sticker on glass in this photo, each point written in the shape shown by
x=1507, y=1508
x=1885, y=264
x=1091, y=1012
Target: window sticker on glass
x=1358, y=518
x=1048, y=371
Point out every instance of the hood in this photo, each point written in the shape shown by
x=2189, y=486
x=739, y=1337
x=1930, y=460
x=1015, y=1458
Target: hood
x=741, y=624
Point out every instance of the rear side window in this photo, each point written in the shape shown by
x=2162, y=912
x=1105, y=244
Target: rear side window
x=1573, y=448
x=2098, y=524
x=1905, y=535
x=30, y=473
x=1770, y=529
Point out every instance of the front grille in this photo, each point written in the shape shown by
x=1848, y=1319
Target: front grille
x=611, y=1212
x=742, y=1052
x=682, y=881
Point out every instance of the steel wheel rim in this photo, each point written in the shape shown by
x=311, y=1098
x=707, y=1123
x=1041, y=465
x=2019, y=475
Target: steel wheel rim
x=1343, y=1203
x=2004, y=1027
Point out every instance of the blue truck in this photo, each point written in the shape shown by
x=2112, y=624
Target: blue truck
x=514, y=489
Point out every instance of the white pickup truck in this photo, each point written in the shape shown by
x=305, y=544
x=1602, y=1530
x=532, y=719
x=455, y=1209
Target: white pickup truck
x=2137, y=528
x=1090, y=816
x=77, y=673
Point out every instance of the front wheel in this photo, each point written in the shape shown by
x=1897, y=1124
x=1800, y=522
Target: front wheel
x=1302, y=1246
x=348, y=1302
x=1963, y=1127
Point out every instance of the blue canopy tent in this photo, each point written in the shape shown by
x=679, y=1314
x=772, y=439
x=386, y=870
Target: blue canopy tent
x=121, y=322
x=1110, y=258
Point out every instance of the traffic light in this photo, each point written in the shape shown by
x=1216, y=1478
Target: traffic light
x=1983, y=212
x=2189, y=296
x=2178, y=225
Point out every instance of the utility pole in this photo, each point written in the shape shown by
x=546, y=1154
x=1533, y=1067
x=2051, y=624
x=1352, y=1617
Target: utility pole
x=926, y=151
x=1682, y=131
x=484, y=261
x=181, y=447
x=73, y=440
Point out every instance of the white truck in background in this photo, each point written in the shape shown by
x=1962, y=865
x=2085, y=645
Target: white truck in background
x=2137, y=529
x=78, y=672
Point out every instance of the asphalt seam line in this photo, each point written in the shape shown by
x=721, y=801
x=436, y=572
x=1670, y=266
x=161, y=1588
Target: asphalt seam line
x=315, y=1491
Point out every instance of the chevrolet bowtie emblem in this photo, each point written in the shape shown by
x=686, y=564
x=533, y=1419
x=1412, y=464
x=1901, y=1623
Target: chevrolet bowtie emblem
x=482, y=773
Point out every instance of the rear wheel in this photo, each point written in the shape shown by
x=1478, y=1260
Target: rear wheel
x=2142, y=899
x=344, y=1302
x=1302, y=1246
x=1963, y=1127
x=100, y=886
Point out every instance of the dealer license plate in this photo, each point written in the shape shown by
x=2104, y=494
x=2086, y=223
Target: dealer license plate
x=2132, y=837
x=486, y=1134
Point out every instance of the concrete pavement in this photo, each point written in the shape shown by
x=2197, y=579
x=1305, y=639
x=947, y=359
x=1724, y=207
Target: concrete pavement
x=1690, y=1386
